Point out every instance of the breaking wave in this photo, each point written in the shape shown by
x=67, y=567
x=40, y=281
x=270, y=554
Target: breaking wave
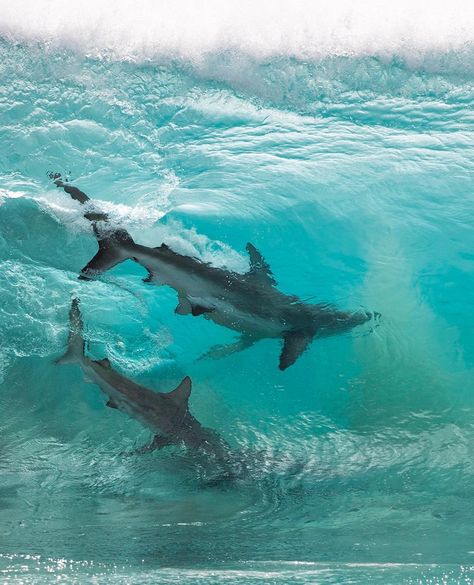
x=339, y=140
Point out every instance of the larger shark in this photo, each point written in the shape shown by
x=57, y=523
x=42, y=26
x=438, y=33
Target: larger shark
x=167, y=415
x=248, y=303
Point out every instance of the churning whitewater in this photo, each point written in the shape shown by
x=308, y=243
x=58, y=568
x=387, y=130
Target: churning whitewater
x=275, y=202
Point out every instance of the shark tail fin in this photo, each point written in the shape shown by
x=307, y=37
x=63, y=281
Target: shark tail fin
x=114, y=247
x=74, y=192
x=114, y=242
x=76, y=344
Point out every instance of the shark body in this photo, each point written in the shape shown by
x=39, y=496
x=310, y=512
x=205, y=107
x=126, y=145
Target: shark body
x=167, y=415
x=247, y=303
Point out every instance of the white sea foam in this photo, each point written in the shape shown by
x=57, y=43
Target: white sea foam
x=305, y=29
x=7, y=194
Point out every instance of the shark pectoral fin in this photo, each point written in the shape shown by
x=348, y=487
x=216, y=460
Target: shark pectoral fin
x=294, y=344
x=111, y=404
x=197, y=310
x=184, y=306
x=199, y=305
x=259, y=268
x=220, y=351
x=180, y=395
x=108, y=256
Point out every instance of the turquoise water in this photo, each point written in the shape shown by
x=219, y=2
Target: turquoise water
x=351, y=171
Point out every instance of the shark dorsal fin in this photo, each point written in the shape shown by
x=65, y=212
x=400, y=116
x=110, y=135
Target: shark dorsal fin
x=180, y=395
x=258, y=266
x=104, y=362
x=162, y=247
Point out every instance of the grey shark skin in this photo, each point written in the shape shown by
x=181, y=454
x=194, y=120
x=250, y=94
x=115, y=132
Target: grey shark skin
x=166, y=415
x=248, y=303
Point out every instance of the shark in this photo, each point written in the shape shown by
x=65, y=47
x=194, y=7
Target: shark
x=249, y=304
x=167, y=415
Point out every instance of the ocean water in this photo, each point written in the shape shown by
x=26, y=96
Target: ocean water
x=336, y=137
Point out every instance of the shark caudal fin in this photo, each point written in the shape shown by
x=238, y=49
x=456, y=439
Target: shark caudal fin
x=114, y=242
x=75, y=343
x=74, y=192
x=114, y=248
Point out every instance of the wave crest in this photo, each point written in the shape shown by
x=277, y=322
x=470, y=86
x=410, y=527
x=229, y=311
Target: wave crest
x=267, y=29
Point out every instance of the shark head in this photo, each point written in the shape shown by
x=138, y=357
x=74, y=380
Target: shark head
x=327, y=321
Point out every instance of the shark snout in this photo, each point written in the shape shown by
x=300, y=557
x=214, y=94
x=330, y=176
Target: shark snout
x=361, y=317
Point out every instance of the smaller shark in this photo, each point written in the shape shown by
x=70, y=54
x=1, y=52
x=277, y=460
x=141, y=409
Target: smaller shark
x=165, y=414
x=248, y=303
